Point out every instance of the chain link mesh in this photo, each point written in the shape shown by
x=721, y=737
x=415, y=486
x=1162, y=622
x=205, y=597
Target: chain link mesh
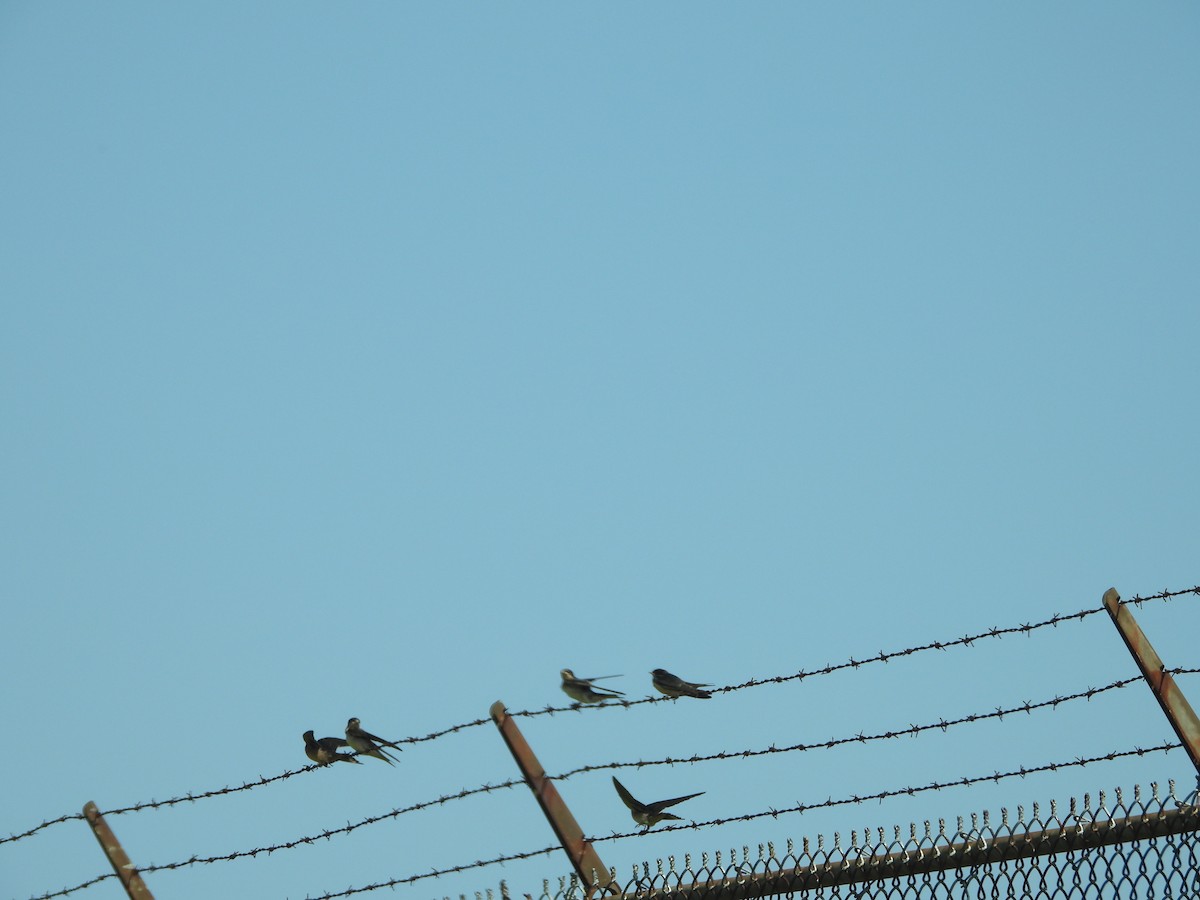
x=1143, y=846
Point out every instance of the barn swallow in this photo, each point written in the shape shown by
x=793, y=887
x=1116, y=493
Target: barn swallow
x=325, y=751
x=672, y=686
x=647, y=814
x=368, y=744
x=582, y=690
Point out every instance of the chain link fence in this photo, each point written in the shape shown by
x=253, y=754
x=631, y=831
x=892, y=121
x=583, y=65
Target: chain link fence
x=1142, y=846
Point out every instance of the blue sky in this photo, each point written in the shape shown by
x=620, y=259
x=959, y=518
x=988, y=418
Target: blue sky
x=383, y=359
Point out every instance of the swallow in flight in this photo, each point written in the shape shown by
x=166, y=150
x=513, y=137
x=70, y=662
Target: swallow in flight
x=581, y=690
x=648, y=814
x=368, y=744
x=325, y=751
x=672, y=686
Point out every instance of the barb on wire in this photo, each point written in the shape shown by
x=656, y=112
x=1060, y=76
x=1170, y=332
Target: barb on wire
x=912, y=731
x=551, y=710
x=437, y=873
x=966, y=781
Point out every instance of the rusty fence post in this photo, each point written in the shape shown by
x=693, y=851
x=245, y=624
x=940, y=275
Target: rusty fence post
x=126, y=870
x=1176, y=707
x=584, y=858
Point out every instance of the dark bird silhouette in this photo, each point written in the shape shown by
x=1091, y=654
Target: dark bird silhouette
x=368, y=744
x=325, y=751
x=673, y=686
x=647, y=814
x=581, y=690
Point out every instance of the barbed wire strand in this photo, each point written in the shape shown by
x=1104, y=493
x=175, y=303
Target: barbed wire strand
x=392, y=883
x=997, y=777
x=79, y=887
x=883, y=656
x=245, y=786
x=330, y=833
x=437, y=873
x=860, y=738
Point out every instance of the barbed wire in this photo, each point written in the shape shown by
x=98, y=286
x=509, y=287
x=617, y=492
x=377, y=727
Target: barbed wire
x=391, y=883
x=966, y=781
x=852, y=663
x=965, y=641
x=882, y=656
x=332, y=832
x=775, y=813
x=860, y=738
x=943, y=724
x=79, y=887
x=288, y=845
x=245, y=786
x=158, y=804
x=437, y=873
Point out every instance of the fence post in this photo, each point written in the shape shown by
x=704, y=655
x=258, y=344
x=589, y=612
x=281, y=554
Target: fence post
x=584, y=858
x=1176, y=707
x=126, y=870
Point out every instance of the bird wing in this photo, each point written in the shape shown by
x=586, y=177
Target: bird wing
x=585, y=685
x=601, y=677
x=378, y=740
x=627, y=798
x=660, y=805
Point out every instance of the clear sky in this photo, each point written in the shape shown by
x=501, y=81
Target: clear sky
x=382, y=359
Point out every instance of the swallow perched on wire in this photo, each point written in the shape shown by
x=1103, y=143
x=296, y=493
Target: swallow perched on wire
x=647, y=814
x=325, y=751
x=368, y=744
x=673, y=686
x=581, y=690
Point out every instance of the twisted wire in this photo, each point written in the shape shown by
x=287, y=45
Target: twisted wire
x=966, y=781
x=882, y=656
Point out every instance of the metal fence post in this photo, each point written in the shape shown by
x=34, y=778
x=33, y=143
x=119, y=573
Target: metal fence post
x=1176, y=707
x=126, y=870
x=592, y=872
